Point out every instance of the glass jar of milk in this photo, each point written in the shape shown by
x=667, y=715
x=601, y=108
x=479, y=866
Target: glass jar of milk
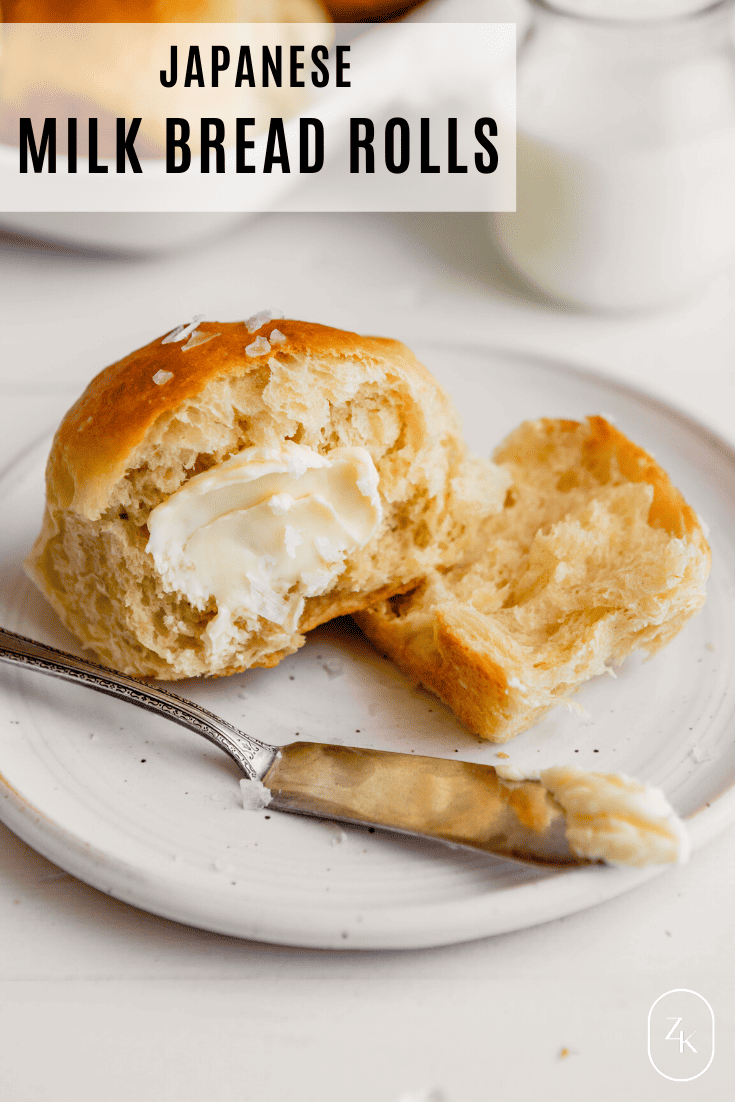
x=626, y=151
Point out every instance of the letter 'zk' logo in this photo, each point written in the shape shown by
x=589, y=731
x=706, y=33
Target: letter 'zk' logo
x=682, y=1039
x=681, y=1035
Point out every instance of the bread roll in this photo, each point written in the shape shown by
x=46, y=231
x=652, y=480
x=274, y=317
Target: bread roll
x=159, y=11
x=358, y=11
x=80, y=70
x=594, y=554
x=349, y=474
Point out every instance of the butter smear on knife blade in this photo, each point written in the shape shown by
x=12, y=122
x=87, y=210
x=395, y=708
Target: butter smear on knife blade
x=607, y=816
x=613, y=818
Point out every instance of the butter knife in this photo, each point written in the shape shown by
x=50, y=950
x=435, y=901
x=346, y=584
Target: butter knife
x=457, y=802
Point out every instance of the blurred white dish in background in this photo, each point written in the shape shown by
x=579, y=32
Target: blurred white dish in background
x=70, y=70
x=110, y=70
x=471, y=11
x=123, y=231
x=630, y=9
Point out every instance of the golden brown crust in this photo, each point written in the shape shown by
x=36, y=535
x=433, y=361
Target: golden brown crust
x=171, y=410
x=148, y=11
x=100, y=433
x=66, y=71
x=503, y=639
x=323, y=609
x=355, y=11
x=668, y=510
x=114, y=11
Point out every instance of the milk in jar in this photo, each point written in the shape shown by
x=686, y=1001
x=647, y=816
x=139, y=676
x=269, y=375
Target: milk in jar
x=626, y=151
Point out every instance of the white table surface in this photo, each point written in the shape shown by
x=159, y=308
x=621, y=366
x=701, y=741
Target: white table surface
x=99, y=1001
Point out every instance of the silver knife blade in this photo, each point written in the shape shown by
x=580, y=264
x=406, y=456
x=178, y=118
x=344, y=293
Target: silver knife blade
x=458, y=802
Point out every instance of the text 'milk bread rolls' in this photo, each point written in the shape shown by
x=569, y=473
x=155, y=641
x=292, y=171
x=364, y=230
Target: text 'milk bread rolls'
x=221, y=491
x=595, y=554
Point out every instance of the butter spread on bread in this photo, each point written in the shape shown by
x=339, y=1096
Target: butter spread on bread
x=192, y=406
x=263, y=531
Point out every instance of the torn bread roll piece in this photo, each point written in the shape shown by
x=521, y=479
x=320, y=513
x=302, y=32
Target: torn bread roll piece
x=221, y=491
x=594, y=554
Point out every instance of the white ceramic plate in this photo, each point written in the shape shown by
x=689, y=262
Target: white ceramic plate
x=151, y=814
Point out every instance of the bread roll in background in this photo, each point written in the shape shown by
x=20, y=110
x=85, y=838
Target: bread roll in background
x=175, y=416
x=595, y=554
x=80, y=70
x=356, y=11
x=192, y=11
x=160, y=11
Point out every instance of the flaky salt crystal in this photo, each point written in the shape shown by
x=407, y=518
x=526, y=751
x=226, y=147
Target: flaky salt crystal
x=198, y=338
x=254, y=323
x=162, y=377
x=259, y=347
x=277, y=337
x=174, y=335
x=183, y=331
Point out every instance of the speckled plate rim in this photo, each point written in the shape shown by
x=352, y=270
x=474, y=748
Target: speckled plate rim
x=390, y=927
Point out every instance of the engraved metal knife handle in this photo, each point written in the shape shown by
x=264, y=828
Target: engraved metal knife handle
x=458, y=802
x=253, y=757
